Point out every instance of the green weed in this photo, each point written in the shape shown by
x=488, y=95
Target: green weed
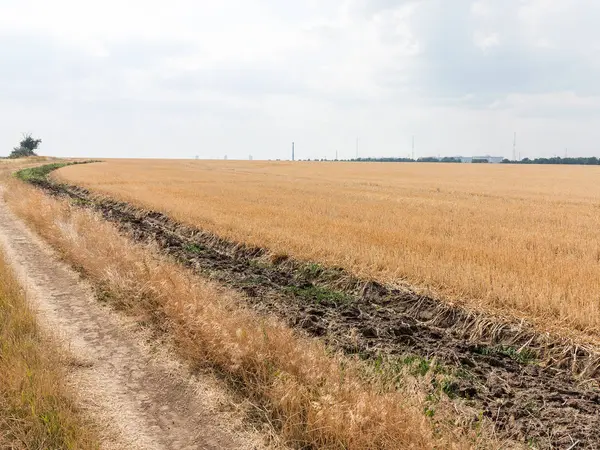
x=525, y=356
x=319, y=294
x=194, y=248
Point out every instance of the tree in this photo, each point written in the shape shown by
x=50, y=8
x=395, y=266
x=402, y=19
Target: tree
x=26, y=147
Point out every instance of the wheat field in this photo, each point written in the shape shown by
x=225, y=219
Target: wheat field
x=310, y=397
x=522, y=241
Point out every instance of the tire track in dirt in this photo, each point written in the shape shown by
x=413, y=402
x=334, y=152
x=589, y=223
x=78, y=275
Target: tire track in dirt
x=527, y=402
x=140, y=400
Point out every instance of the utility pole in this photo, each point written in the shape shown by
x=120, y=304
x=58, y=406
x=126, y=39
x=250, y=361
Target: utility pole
x=293, y=151
x=336, y=154
x=413, y=147
x=357, y=147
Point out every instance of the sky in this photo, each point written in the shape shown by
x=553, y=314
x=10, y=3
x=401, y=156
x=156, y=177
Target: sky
x=183, y=78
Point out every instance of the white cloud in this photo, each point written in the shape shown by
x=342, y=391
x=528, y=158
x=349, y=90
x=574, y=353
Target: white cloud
x=561, y=105
x=486, y=41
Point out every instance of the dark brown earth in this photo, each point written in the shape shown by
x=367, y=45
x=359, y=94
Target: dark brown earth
x=529, y=385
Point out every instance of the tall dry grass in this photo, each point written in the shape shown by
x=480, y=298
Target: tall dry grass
x=36, y=409
x=518, y=240
x=313, y=398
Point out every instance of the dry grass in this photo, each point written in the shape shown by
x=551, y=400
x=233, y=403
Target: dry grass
x=36, y=411
x=313, y=398
x=23, y=162
x=522, y=240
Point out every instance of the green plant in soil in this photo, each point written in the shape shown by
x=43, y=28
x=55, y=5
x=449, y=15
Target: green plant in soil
x=319, y=295
x=312, y=270
x=194, y=248
x=524, y=356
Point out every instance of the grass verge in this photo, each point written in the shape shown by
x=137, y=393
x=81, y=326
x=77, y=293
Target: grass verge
x=314, y=399
x=39, y=173
x=36, y=410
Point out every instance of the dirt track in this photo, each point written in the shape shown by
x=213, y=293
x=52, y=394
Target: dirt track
x=528, y=402
x=141, y=400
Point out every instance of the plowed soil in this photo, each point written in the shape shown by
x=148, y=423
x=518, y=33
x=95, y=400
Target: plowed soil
x=524, y=382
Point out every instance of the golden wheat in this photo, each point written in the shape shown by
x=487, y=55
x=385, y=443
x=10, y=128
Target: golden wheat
x=523, y=240
x=316, y=399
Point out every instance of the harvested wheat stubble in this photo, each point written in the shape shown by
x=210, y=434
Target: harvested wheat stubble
x=520, y=240
x=526, y=401
x=315, y=399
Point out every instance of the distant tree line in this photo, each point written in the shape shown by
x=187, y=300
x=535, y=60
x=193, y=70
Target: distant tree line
x=585, y=161
x=445, y=159
x=386, y=159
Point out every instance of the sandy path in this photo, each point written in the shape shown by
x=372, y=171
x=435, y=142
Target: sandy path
x=141, y=400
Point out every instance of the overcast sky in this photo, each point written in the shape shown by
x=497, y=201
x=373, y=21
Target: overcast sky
x=179, y=78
